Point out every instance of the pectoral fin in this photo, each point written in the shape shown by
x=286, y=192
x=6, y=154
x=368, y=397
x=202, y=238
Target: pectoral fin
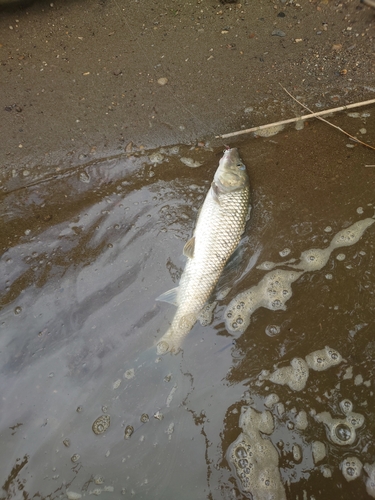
x=215, y=192
x=170, y=296
x=189, y=248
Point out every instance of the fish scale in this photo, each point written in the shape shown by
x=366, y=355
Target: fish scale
x=219, y=228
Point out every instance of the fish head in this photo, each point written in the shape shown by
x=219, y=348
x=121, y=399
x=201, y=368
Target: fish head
x=231, y=173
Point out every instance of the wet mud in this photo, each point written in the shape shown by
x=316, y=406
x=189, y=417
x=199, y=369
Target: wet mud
x=88, y=408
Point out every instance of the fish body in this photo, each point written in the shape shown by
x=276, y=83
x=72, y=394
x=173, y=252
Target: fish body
x=219, y=228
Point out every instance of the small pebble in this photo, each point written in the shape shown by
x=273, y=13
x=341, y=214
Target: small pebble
x=278, y=33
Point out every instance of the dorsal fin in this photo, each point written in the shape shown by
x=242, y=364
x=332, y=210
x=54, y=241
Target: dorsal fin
x=189, y=248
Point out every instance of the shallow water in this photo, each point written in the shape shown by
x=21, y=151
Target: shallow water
x=87, y=251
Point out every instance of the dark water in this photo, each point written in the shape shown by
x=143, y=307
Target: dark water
x=85, y=253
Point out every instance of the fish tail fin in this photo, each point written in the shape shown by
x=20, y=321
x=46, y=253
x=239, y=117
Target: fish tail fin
x=171, y=341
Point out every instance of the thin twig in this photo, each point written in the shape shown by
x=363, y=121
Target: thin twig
x=370, y=3
x=355, y=139
x=297, y=119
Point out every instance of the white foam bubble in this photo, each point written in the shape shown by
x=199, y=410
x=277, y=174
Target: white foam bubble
x=341, y=431
x=326, y=471
x=190, y=162
x=346, y=406
x=274, y=290
x=72, y=495
x=280, y=409
x=129, y=373
x=266, y=266
x=206, y=314
x=318, y=451
x=270, y=131
x=370, y=481
x=295, y=375
x=117, y=384
x=271, y=400
x=301, y=420
x=156, y=158
x=272, y=330
x=254, y=459
x=352, y=234
x=351, y=467
x=313, y=259
x=323, y=359
x=297, y=453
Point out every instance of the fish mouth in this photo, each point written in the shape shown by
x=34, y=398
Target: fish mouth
x=231, y=155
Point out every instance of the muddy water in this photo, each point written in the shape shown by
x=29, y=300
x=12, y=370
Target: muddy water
x=87, y=408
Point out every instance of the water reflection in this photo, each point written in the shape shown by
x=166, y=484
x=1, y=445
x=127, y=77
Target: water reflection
x=88, y=408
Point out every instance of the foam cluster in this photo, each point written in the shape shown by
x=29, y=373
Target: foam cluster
x=254, y=458
x=342, y=431
x=274, y=290
x=301, y=420
x=101, y=424
x=370, y=481
x=323, y=359
x=318, y=451
x=296, y=375
x=351, y=468
x=206, y=314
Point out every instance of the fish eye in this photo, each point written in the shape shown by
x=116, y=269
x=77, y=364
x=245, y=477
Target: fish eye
x=241, y=166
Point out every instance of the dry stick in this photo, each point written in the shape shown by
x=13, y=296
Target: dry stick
x=297, y=119
x=370, y=3
x=329, y=123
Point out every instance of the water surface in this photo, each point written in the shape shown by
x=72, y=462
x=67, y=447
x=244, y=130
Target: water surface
x=88, y=408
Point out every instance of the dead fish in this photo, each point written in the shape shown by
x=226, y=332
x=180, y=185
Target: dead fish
x=219, y=228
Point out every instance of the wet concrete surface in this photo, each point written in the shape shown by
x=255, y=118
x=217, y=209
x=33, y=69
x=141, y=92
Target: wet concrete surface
x=92, y=234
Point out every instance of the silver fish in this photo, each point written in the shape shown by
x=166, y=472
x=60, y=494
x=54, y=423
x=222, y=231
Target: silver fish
x=219, y=228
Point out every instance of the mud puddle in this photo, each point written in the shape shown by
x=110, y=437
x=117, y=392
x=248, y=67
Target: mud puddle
x=87, y=407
